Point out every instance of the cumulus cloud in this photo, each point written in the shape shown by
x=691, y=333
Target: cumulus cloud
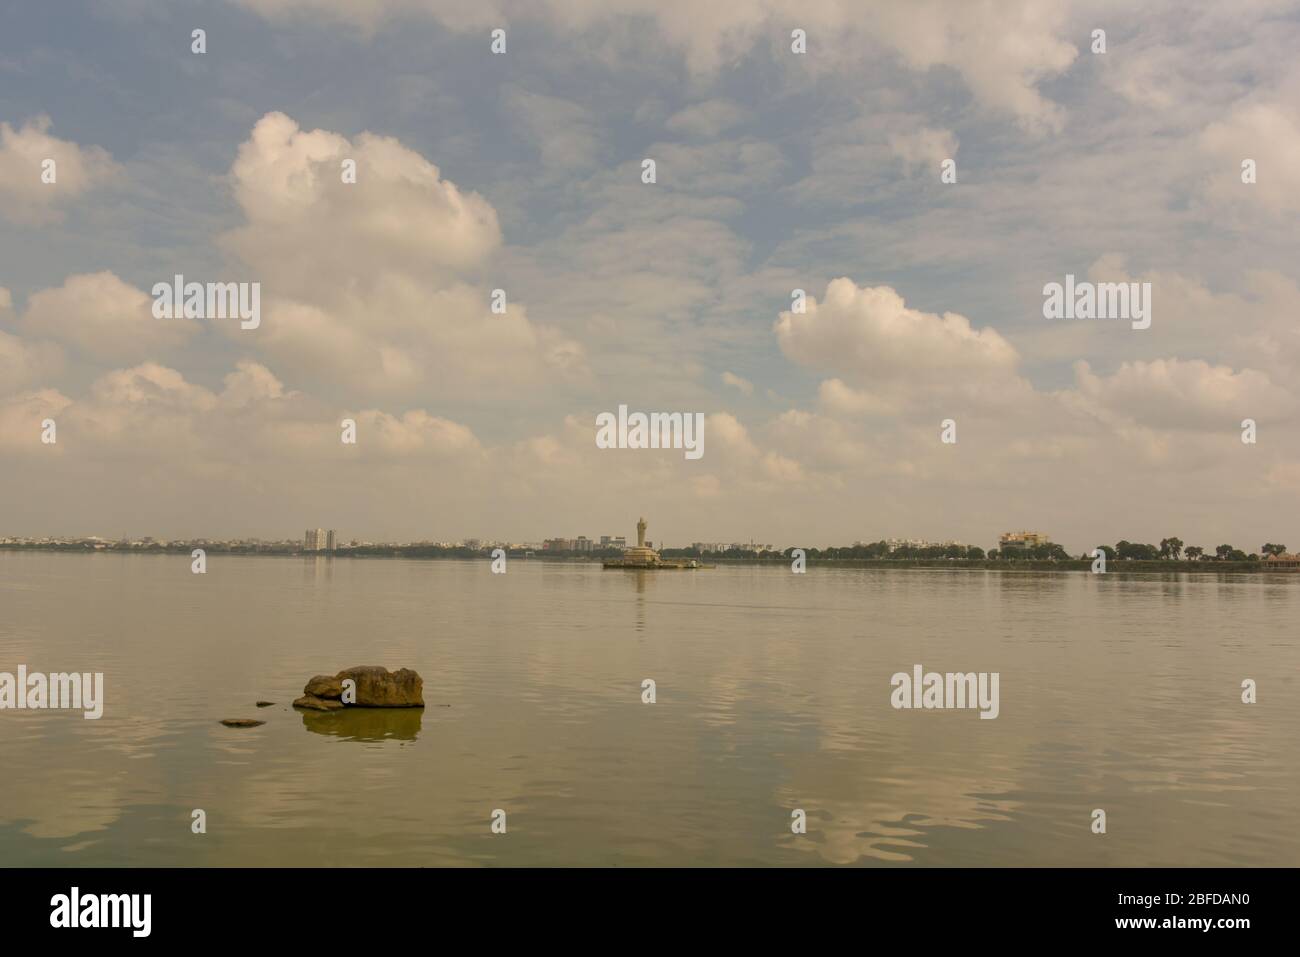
x=310, y=227
x=149, y=411
x=869, y=336
x=843, y=400
x=817, y=441
x=1002, y=51
x=103, y=318
x=23, y=363
x=1251, y=324
x=1182, y=394
x=151, y=384
x=24, y=196
x=415, y=434
x=21, y=415
x=251, y=384
x=739, y=461
x=1269, y=134
x=376, y=283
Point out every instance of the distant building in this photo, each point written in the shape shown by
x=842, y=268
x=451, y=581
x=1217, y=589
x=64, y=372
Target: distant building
x=1284, y=560
x=613, y=541
x=703, y=547
x=319, y=540
x=1021, y=541
x=895, y=544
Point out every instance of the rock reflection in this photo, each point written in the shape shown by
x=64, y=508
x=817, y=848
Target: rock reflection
x=366, y=724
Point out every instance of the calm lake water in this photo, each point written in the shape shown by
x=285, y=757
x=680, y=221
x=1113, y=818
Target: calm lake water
x=773, y=693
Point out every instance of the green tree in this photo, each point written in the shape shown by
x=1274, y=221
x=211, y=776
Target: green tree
x=1135, y=551
x=1193, y=552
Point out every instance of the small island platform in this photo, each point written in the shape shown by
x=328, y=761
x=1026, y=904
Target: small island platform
x=632, y=563
x=643, y=556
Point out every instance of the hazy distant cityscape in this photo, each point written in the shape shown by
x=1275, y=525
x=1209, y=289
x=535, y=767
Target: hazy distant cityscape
x=1011, y=546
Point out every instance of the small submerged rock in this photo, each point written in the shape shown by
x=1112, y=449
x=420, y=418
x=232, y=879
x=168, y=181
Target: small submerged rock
x=241, y=722
x=265, y=704
x=313, y=703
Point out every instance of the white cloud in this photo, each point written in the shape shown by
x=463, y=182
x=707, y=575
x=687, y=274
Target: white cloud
x=1268, y=133
x=373, y=283
x=250, y=384
x=150, y=411
x=738, y=382
x=309, y=227
x=21, y=416
x=415, y=433
x=151, y=384
x=23, y=363
x=103, y=318
x=1002, y=51
x=1183, y=394
x=820, y=442
x=870, y=336
x=842, y=400
x=24, y=197
x=1252, y=326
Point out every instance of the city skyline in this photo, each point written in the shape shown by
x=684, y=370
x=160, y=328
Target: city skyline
x=321, y=540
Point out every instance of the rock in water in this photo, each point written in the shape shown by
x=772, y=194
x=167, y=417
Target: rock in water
x=265, y=704
x=380, y=688
x=313, y=703
x=375, y=687
x=241, y=722
x=323, y=686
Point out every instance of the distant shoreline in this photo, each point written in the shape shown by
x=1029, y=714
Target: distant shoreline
x=1211, y=567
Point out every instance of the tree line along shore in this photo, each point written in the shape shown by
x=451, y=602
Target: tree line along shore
x=1170, y=555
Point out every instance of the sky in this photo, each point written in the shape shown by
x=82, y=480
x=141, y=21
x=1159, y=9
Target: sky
x=775, y=171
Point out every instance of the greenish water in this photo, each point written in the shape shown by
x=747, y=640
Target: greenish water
x=772, y=693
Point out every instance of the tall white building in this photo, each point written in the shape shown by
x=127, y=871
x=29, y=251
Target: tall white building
x=313, y=540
